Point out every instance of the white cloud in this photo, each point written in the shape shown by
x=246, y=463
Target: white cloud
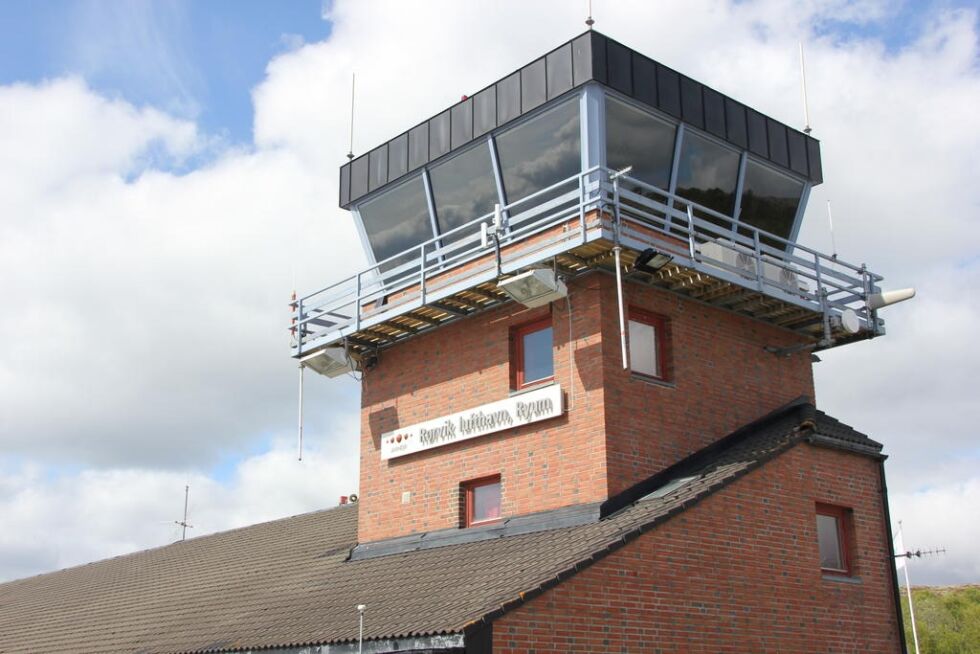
x=56, y=522
x=155, y=306
x=144, y=322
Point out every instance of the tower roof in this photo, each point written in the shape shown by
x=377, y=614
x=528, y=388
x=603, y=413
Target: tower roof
x=589, y=57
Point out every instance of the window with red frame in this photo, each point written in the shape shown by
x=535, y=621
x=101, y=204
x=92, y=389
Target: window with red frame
x=533, y=359
x=482, y=501
x=647, y=344
x=833, y=539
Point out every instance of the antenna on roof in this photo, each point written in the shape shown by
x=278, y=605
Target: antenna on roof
x=350, y=151
x=806, y=108
x=183, y=523
x=833, y=241
x=589, y=21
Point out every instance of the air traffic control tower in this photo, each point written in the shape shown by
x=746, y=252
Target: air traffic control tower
x=578, y=276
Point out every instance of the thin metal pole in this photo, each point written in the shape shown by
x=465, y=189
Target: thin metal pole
x=300, y=419
x=360, y=629
x=619, y=273
x=350, y=152
x=908, y=591
x=183, y=525
x=571, y=354
x=806, y=109
x=619, y=296
x=833, y=241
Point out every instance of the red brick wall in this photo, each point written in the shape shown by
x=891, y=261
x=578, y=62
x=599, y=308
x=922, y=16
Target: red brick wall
x=721, y=378
x=618, y=431
x=738, y=572
x=545, y=465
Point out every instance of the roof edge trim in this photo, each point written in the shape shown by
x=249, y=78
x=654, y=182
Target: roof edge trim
x=444, y=642
x=822, y=440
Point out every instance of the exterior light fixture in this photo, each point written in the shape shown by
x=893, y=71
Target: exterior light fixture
x=329, y=362
x=651, y=260
x=534, y=288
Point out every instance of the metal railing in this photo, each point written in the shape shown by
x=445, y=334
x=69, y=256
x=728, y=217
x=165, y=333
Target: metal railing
x=585, y=207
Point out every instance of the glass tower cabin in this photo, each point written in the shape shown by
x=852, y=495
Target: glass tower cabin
x=592, y=157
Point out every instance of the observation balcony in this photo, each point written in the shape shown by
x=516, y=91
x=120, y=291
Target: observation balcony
x=573, y=227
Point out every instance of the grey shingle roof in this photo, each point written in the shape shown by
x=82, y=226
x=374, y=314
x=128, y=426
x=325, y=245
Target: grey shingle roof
x=290, y=582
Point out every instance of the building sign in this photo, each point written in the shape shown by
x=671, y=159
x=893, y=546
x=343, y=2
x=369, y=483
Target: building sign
x=515, y=411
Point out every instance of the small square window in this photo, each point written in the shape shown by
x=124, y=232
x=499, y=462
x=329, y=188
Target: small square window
x=647, y=339
x=482, y=501
x=533, y=360
x=833, y=539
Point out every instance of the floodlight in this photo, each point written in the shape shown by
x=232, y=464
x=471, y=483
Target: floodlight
x=651, y=260
x=329, y=362
x=534, y=288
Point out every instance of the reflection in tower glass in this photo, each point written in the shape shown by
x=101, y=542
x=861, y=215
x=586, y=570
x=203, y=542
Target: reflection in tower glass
x=397, y=220
x=707, y=175
x=637, y=138
x=464, y=190
x=769, y=201
x=540, y=152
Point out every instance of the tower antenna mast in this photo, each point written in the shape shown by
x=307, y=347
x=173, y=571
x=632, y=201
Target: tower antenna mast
x=806, y=109
x=589, y=20
x=350, y=151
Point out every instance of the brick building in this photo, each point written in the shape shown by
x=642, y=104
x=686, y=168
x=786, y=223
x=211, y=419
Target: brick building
x=585, y=342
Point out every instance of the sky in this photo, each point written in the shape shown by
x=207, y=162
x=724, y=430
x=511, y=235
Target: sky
x=168, y=175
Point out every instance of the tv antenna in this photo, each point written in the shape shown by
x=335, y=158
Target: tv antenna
x=350, y=151
x=183, y=523
x=902, y=558
x=589, y=20
x=806, y=109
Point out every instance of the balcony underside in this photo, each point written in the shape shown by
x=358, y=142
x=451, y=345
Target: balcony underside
x=598, y=256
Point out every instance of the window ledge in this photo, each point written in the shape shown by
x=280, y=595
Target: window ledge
x=634, y=376
x=844, y=579
x=532, y=387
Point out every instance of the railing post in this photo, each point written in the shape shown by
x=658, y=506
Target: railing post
x=357, y=303
x=822, y=292
x=581, y=204
x=618, y=227
x=690, y=230
x=817, y=272
x=299, y=326
x=871, y=315
x=759, y=272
